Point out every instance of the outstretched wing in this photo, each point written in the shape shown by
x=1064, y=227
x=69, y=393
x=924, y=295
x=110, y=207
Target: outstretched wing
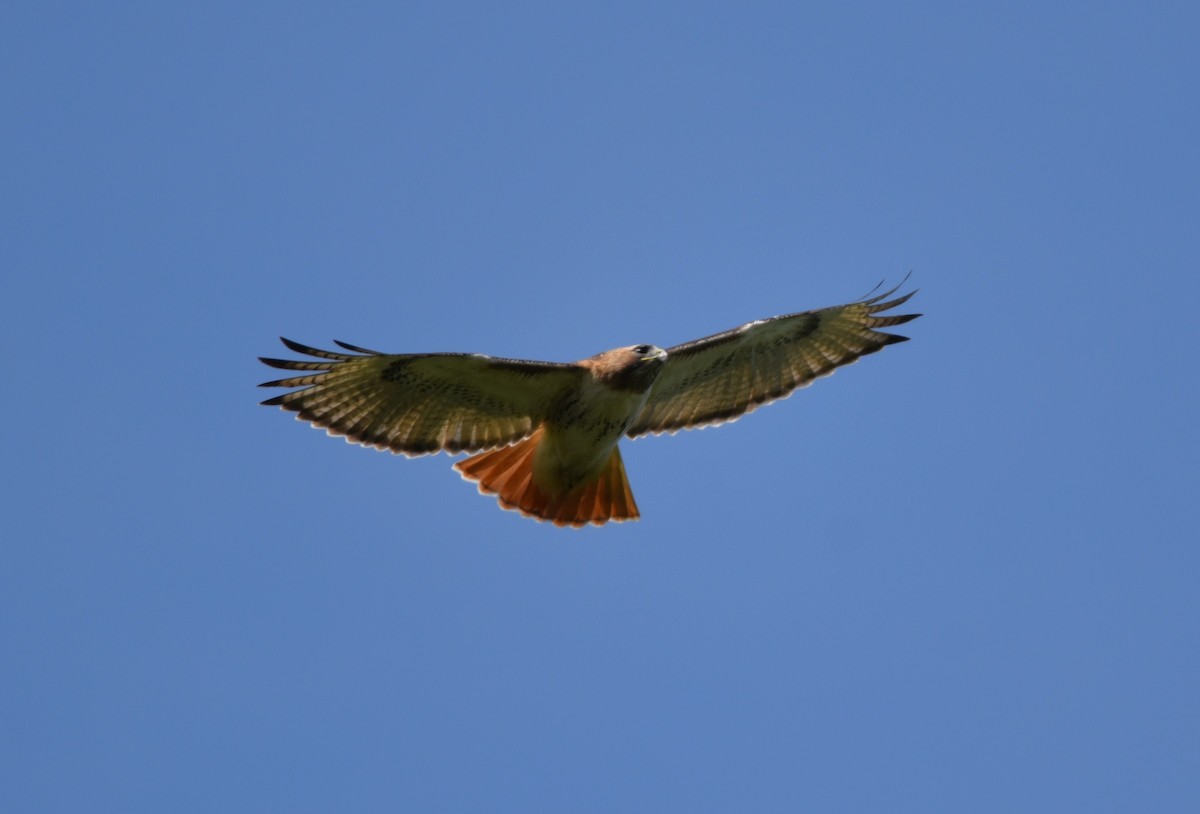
x=721, y=377
x=419, y=404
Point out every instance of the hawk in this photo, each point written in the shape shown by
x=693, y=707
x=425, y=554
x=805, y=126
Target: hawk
x=545, y=434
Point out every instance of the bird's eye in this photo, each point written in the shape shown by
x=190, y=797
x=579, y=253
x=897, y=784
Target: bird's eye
x=642, y=349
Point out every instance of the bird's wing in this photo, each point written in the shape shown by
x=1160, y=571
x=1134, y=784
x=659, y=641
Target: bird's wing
x=418, y=404
x=721, y=377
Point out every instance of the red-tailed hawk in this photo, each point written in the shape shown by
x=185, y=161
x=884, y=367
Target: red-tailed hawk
x=546, y=434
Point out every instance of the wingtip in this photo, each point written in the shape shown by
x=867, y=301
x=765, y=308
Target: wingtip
x=871, y=298
x=356, y=348
x=891, y=321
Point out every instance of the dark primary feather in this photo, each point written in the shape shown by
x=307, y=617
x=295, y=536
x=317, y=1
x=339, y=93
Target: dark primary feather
x=721, y=377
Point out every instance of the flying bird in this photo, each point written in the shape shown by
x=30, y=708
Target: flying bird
x=545, y=434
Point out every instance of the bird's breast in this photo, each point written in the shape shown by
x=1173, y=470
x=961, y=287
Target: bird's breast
x=581, y=432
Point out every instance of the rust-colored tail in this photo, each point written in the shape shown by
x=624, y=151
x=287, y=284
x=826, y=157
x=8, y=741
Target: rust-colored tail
x=508, y=473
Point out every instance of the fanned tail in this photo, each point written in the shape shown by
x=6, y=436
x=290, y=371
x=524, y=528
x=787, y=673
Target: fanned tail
x=508, y=473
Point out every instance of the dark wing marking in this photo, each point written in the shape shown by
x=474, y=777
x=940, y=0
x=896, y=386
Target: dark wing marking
x=721, y=377
x=418, y=404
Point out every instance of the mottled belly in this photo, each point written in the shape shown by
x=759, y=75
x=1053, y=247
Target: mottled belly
x=579, y=437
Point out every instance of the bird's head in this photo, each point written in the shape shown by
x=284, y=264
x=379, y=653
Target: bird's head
x=648, y=353
x=633, y=368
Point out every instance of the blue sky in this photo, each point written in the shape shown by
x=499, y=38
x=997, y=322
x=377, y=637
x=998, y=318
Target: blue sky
x=958, y=576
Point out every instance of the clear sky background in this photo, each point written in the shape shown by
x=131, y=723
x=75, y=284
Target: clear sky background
x=958, y=576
